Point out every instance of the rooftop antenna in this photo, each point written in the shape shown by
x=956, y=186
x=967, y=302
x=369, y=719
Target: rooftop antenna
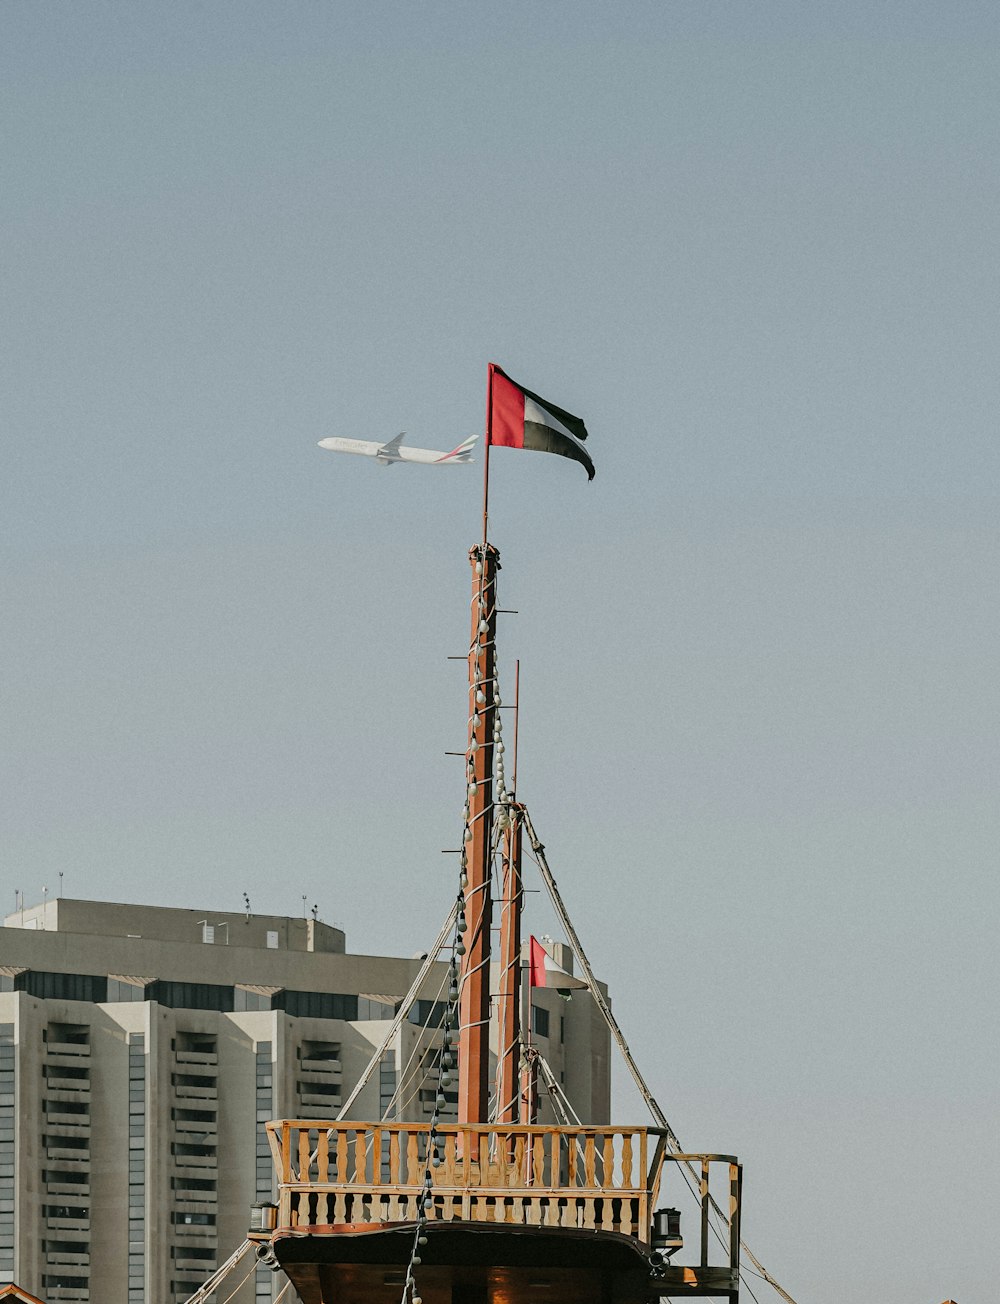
x=315, y=912
x=60, y=882
x=304, y=905
x=246, y=902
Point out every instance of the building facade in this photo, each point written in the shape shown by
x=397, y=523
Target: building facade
x=142, y=1050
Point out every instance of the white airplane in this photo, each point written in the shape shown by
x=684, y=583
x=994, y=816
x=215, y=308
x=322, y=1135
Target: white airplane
x=387, y=454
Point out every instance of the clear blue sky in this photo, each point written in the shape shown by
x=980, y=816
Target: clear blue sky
x=755, y=246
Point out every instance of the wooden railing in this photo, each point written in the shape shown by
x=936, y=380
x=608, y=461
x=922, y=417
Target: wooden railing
x=600, y=1178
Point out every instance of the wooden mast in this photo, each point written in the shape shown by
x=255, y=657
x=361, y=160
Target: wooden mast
x=509, y=999
x=474, y=1005
x=511, y=905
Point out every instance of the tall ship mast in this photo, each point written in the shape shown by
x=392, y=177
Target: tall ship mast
x=495, y=1207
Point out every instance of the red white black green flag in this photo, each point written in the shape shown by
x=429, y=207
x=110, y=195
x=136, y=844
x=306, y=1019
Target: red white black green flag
x=520, y=419
x=544, y=972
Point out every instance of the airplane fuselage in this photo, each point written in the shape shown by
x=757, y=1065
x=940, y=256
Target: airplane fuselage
x=387, y=454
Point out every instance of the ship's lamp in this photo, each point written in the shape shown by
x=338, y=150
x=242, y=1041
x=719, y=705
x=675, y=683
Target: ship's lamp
x=263, y=1217
x=667, y=1236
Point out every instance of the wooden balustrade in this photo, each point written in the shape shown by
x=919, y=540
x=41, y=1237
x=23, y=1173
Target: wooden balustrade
x=596, y=1178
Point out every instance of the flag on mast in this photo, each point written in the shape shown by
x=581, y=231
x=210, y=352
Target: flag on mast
x=544, y=972
x=520, y=419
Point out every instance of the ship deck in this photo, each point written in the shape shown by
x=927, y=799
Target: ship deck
x=512, y=1212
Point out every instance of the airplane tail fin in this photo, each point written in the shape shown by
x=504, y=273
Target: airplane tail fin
x=463, y=453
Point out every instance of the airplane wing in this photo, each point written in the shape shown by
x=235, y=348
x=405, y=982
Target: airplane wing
x=389, y=452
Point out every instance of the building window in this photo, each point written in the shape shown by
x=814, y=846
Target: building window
x=317, y=1005
x=265, y=1168
x=120, y=990
x=191, y=996
x=387, y=1082
x=322, y=1052
x=62, y=986
x=244, y=999
x=539, y=1021
x=370, y=1008
x=428, y=1014
x=8, y=1115
x=137, y=1169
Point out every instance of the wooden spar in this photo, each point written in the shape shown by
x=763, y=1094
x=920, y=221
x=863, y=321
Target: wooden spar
x=474, y=1007
x=486, y=452
x=509, y=1000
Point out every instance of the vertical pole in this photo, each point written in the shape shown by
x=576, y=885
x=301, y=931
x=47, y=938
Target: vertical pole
x=529, y=1065
x=509, y=1002
x=486, y=452
x=735, y=1192
x=474, y=1008
x=517, y=718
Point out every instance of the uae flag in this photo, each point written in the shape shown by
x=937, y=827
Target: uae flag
x=520, y=419
x=544, y=972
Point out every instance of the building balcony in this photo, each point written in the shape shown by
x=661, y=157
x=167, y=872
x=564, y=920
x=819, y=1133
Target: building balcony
x=204, y=1267
x=73, y=1161
x=189, y=1128
x=185, y=1091
x=195, y=1201
x=198, y=1233
x=72, y=1125
x=81, y=1225
x=67, y=1124
x=208, y=1059
x=195, y=1165
x=318, y=1100
x=72, y=1051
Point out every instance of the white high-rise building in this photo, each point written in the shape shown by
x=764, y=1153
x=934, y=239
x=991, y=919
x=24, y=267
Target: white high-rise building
x=142, y=1049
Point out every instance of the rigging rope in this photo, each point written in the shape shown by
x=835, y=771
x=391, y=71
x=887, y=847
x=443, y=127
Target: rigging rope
x=220, y=1274
x=241, y=1285
x=673, y=1143
x=403, y=1011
